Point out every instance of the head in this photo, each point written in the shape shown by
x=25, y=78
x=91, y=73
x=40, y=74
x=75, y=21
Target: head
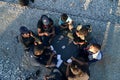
x=75, y=70
x=24, y=32
x=94, y=48
x=38, y=49
x=81, y=32
x=45, y=20
x=64, y=17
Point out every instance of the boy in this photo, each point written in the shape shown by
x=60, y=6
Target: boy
x=41, y=54
x=79, y=36
x=79, y=70
x=65, y=22
x=47, y=56
x=45, y=29
x=94, y=53
x=82, y=32
x=25, y=38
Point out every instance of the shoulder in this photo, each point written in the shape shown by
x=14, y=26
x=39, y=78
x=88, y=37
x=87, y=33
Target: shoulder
x=68, y=19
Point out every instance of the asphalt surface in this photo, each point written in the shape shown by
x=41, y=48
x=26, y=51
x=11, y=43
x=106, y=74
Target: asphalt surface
x=103, y=15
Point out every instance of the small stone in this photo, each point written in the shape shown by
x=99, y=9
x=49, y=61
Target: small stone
x=8, y=48
x=63, y=47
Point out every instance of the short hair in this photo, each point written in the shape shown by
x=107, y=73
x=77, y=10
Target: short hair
x=96, y=45
x=39, y=48
x=64, y=16
x=24, y=30
x=75, y=69
x=83, y=31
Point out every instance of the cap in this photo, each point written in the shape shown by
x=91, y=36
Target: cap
x=23, y=30
x=45, y=20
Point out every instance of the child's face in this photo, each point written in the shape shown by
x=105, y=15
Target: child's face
x=26, y=35
x=93, y=49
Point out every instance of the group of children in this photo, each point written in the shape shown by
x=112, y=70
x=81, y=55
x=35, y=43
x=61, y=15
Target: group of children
x=75, y=68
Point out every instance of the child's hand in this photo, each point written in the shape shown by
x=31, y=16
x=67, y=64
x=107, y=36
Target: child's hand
x=35, y=43
x=46, y=34
x=31, y=34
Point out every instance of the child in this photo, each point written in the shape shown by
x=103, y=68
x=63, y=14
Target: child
x=94, y=53
x=46, y=30
x=82, y=31
x=65, y=22
x=80, y=36
x=79, y=70
x=46, y=56
x=25, y=38
x=42, y=54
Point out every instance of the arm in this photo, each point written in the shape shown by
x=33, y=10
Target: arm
x=67, y=70
x=53, y=31
x=63, y=27
x=50, y=59
x=39, y=24
x=70, y=22
x=78, y=61
x=41, y=33
x=37, y=40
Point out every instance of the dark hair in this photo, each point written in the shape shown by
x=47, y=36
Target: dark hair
x=38, y=47
x=24, y=30
x=44, y=16
x=83, y=31
x=98, y=46
x=64, y=16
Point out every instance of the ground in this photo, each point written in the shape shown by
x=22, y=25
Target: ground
x=103, y=15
